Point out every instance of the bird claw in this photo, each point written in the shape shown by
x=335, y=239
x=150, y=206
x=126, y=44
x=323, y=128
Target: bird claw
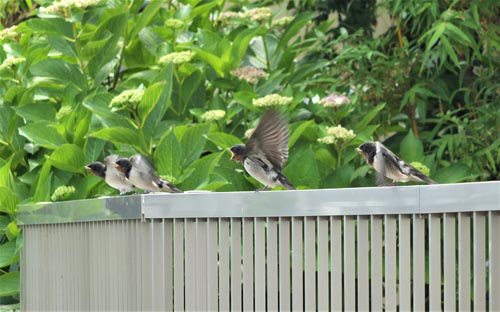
x=262, y=189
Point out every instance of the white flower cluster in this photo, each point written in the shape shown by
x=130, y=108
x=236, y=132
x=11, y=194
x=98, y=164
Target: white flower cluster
x=133, y=96
x=256, y=15
x=337, y=134
x=249, y=73
x=212, y=115
x=334, y=100
x=8, y=33
x=174, y=23
x=11, y=61
x=63, y=112
x=177, y=57
x=282, y=21
x=272, y=100
x=60, y=6
x=249, y=132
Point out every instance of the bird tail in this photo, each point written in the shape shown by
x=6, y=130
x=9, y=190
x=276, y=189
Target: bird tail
x=422, y=177
x=284, y=182
x=168, y=186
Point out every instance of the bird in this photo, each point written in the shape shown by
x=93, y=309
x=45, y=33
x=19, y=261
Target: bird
x=141, y=173
x=388, y=165
x=111, y=176
x=266, y=151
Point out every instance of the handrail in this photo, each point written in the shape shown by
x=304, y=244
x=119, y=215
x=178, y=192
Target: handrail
x=477, y=196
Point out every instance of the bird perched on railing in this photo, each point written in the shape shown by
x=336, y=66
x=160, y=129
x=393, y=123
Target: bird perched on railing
x=388, y=165
x=141, y=173
x=266, y=151
x=111, y=176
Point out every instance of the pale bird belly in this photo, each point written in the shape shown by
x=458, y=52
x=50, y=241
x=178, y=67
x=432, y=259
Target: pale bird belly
x=260, y=174
x=141, y=183
x=395, y=176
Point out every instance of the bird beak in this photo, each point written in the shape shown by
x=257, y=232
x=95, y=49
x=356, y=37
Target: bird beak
x=116, y=165
x=359, y=150
x=233, y=156
x=87, y=168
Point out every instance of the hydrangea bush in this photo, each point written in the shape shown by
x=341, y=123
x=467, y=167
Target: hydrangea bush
x=182, y=81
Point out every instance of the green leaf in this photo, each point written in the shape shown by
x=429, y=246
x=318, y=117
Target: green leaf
x=118, y=135
x=203, y=167
x=8, y=253
x=450, y=51
x=298, y=132
x=436, y=35
x=59, y=71
x=55, y=26
x=168, y=156
x=43, y=134
x=240, y=44
x=302, y=170
x=212, y=60
x=205, y=8
x=145, y=17
x=193, y=141
x=9, y=284
x=8, y=200
x=459, y=33
x=368, y=117
x=61, y=45
x=6, y=177
x=411, y=148
x=149, y=100
x=36, y=112
x=42, y=191
x=12, y=230
x=453, y=174
x=223, y=140
x=292, y=30
x=68, y=157
x=93, y=149
x=4, y=221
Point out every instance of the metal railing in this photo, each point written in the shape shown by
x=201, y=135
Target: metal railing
x=415, y=247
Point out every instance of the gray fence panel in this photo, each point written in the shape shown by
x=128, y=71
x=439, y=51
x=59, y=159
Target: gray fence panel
x=314, y=261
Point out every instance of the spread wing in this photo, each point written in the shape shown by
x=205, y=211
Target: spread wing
x=270, y=140
x=142, y=164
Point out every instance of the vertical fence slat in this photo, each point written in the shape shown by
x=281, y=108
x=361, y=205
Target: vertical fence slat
x=390, y=265
x=178, y=264
x=363, y=264
x=479, y=253
x=376, y=263
x=248, y=250
x=202, y=261
x=272, y=264
x=349, y=263
x=449, y=261
x=404, y=263
x=494, y=260
x=260, y=265
x=310, y=263
x=434, y=241
x=336, y=293
x=297, y=277
x=167, y=225
x=158, y=291
x=464, y=255
x=322, y=263
x=236, y=301
x=190, y=277
x=212, y=273
x=284, y=264
x=224, y=264
x=418, y=262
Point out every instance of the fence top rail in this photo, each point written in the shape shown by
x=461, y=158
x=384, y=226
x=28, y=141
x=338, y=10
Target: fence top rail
x=463, y=197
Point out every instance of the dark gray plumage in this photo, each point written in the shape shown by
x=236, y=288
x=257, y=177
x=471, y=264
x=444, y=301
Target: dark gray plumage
x=141, y=173
x=388, y=165
x=266, y=151
x=111, y=176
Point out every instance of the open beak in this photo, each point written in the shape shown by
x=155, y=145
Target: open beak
x=359, y=150
x=233, y=156
x=87, y=168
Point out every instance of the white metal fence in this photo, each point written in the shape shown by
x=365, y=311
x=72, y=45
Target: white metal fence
x=330, y=258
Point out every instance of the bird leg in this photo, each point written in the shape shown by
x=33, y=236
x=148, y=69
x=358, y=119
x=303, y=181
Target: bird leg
x=265, y=188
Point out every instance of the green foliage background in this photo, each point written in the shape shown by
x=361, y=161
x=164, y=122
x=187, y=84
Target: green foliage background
x=428, y=87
